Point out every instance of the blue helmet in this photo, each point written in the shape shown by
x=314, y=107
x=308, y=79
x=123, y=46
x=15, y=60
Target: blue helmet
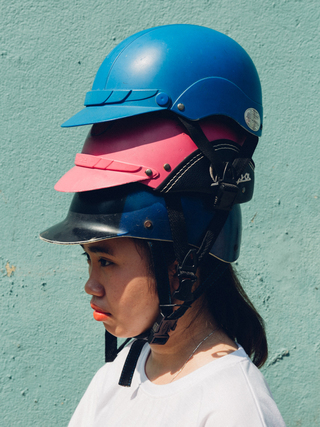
x=192, y=71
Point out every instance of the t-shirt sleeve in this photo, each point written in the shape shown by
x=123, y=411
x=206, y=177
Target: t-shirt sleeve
x=85, y=412
x=243, y=400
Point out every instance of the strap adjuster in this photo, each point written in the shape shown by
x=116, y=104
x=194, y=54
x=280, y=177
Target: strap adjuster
x=227, y=189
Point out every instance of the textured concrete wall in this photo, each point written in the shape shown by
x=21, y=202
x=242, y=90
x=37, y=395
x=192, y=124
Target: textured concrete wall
x=50, y=51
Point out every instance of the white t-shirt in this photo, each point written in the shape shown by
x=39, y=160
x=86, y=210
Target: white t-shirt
x=227, y=392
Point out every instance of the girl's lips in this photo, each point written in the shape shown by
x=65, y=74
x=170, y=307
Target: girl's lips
x=101, y=317
x=98, y=314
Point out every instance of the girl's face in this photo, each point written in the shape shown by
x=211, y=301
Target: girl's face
x=123, y=290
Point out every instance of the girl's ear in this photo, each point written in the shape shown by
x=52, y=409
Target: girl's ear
x=173, y=277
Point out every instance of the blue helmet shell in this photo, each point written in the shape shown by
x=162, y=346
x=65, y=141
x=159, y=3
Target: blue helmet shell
x=193, y=71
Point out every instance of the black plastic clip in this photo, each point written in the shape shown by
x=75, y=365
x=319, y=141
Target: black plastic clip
x=161, y=327
x=227, y=189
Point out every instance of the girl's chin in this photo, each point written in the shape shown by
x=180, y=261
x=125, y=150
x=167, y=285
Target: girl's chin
x=123, y=334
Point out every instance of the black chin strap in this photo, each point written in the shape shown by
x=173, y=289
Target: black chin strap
x=111, y=349
x=158, y=334
x=135, y=350
x=131, y=363
x=188, y=259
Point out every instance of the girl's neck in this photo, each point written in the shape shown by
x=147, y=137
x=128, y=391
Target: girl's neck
x=191, y=345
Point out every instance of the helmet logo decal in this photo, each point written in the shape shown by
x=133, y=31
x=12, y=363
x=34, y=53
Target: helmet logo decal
x=252, y=118
x=244, y=178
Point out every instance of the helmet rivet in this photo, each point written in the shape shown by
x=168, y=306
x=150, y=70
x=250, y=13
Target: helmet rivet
x=148, y=224
x=167, y=167
x=244, y=189
x=180, y=107
x=148, y=172
x=162, y=99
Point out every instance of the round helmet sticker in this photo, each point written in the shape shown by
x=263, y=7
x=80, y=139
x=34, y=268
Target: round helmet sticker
x=252, y=118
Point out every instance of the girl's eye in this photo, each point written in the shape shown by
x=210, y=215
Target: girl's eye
x=86, y=255
x=104, y=262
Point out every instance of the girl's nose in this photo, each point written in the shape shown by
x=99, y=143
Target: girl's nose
x=93, y=287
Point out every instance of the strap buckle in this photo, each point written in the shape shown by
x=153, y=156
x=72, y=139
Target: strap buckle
x=161, y=327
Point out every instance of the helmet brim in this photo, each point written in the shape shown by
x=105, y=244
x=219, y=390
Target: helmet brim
x=79, y=179
x=125, y=212
x=103, y=113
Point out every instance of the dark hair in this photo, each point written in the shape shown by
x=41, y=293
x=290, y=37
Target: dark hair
x=232, y=309
x=226, y=301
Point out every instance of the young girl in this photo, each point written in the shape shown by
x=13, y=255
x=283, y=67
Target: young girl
x=176, y=114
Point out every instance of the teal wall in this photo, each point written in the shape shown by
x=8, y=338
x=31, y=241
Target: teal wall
x=50, y=51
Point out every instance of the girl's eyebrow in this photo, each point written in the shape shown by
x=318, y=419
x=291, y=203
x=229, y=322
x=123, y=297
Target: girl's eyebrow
x=99, y=249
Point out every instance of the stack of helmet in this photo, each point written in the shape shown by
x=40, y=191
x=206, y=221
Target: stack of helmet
x=176, y=113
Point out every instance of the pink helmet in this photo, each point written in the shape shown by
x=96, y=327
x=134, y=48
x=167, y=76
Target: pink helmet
x=157, y=151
